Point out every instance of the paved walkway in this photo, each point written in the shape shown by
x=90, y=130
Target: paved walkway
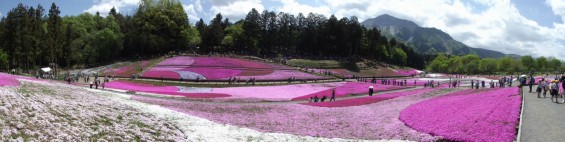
x=543, y=120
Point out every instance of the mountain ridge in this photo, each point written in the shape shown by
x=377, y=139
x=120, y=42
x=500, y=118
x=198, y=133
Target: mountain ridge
x=423, y=39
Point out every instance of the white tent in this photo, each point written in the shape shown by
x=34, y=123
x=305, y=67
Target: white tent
x=46, y=69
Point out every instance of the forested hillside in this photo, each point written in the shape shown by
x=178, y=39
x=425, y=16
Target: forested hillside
x=32, y=37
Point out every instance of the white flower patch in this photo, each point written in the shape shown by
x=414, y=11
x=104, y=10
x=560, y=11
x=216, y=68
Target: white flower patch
x=184, y=89
x=200, y=129
x=50, y=111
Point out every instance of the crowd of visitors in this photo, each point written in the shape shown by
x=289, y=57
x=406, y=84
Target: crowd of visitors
x=546, y=84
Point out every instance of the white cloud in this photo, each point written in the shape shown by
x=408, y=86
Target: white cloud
x=499, y=27
x=104, y=6
x=194, y=10
x=235, y=10
x=294, y=7
x=191, y=12
x=558, y=6
x=198, y=6
x=1, y=14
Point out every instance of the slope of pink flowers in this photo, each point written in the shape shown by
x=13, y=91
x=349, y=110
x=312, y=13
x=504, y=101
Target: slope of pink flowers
x=407, y=72
x=283, y=75
x=275, y=93
x=252, y=68
x=8, y=80
x=376, y=121
x=350, y=88
x=370, y=99
x=216, y=68
x=463, y=116
x=169, y=90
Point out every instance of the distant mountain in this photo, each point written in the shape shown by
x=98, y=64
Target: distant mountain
x=424, y=40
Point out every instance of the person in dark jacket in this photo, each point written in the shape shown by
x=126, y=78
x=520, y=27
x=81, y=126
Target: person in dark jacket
x=323, y=98
x=531, y=82
x=370, y=90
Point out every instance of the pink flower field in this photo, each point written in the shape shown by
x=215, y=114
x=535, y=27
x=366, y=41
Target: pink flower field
x=216, y=68
x=407, y=72
x=276, y=93
x=350, y=88
x=169, y=90
x=12, y=80
x=126, y=70
x=466, y=116
x=8, y=80
x=370, y=99
x=258, y=93
x=376, y=121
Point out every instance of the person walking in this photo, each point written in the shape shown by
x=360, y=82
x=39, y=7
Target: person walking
x=510, y=81
x=472, y=84
x=477, y=84
x=96, y=81
x=333, y=95
x=554, y=90
x=370, y=90
x=544, y=86
x=531, y=82
x=540, y=87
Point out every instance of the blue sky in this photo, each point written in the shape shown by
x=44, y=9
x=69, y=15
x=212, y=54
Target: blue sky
x=524, y=27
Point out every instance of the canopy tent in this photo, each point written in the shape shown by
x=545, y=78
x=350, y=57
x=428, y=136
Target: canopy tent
x=46, y=69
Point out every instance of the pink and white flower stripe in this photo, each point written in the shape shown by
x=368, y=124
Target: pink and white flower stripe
x=276, y=93
x=370, y=99
x=372, y=121
x=350, y=88
x=168, y=90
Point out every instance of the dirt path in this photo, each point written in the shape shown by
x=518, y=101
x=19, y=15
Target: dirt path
x=543, y=120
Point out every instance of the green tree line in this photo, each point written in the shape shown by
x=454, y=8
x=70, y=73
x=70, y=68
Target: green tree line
x=472, y=64
x=31, y=37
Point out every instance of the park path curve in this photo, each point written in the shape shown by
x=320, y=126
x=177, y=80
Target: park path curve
x=543, y=120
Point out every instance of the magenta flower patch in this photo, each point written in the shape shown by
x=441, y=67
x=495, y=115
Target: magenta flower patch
x=8, y=80
x=465, y=116
x=175, y=61
x=216, y=68
x=164, y=74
